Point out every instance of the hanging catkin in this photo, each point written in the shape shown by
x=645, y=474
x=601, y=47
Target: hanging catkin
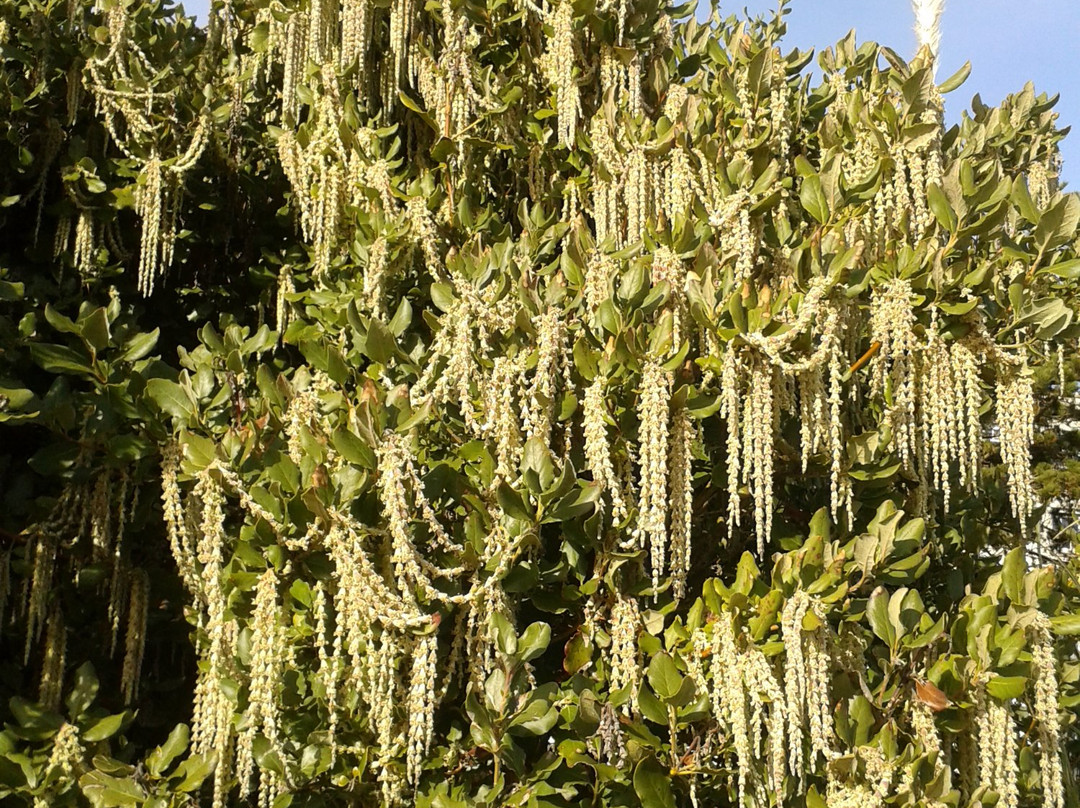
x=1044, y=669
x=806, y=682
x=558, y=66
x=262, y=716
x=135, y=639
x=624, y=655
x=892, y=327
x=681, y=496
x=212, y=730
x=51, y=687
x=1016, y=426
x=654, y=420
x=757, y=432
x=997, y=746
x=598, y=449
x=356, y=18
x=420, y=704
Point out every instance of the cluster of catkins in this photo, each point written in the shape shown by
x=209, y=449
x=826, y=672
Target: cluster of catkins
x=778, y=714
x=381, y=639
x=87, y=527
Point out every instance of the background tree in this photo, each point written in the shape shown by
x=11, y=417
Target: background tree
x=525, y=404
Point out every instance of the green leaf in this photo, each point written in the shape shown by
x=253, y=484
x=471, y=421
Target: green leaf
x=191, y=773
x=12, y=291
x=266, y=756
x=65, y=325
x=140, y=345
x=354, y=449
x=84, y=692
x=106, y=791
x=94, y=328
x=481, y=729
x=160, y=759
x=171, y=399
x=702, y=405
x=650, y=706
x=1067, y=625
x=814, y=799
x=534, y=641
x=877, y=612
x=1049, y=316
x=60, y=358
x=813, y=198
x=1067, y=270
x=505, y=636
x=959, y=309
x=1006, y=687
x=633, y=285
x=536, y=465
x=1059, y=224
x=537, y=717
x=380, y=344
x=940, y=207
x=38, y=722
x=578, y=654
x=106, y=727
x=200, y=452
x=920, y=135
x=402, y=317
x=954, y=81
x=576, y=503
x=513, y=504
x=664, y=677
x=1012, y=575
x=652, y=784
x=442, y=295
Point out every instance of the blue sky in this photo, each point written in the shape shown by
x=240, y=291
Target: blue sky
x=1009, y=42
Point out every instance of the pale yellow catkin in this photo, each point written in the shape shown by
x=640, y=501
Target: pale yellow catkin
x=268, y=653
x=212, y=726
x=180, y=539
x=624, y=655
x=66, y=757
x=807, y=680
x=5, y=582
x=1046, y=711
x=871, y=789
x=731, y=411
x=892, y=326
x=598, y=448
x=502, y=426
x=747, y=702
x=1016, y=426
x=681, y=496
x=654, y=424
x=757, y=431
x=557, y=64
x=420, y=704
x=997, y=746
x=538, y=395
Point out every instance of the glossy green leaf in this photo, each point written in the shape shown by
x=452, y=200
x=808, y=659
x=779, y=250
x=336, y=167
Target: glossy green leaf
x=652, y=784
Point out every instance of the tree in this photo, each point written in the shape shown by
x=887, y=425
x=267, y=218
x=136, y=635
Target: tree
x=523, y=404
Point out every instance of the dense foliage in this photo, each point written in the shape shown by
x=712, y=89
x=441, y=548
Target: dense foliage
x=526, y=404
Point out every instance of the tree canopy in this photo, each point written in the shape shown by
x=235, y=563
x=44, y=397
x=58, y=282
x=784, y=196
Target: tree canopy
x=526, y=404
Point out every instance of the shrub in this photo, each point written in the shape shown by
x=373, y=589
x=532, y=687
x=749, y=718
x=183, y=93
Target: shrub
x=523, y=404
